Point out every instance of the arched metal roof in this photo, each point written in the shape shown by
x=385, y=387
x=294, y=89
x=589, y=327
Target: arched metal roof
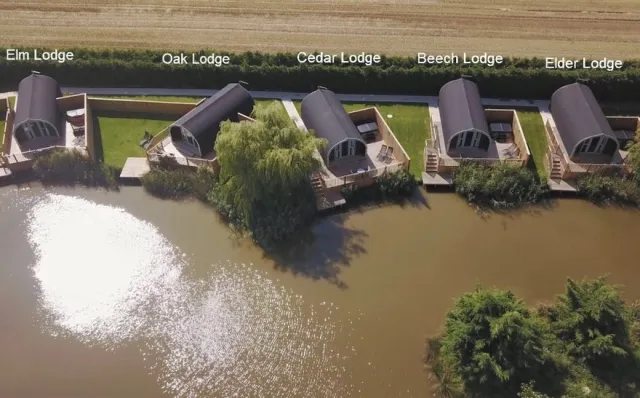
x=578, y=116
x=323, y=113
x=461, y=109
x=203, y=122
x=37, y=101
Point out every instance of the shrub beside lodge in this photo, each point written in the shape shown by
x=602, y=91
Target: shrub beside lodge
x=516, y=78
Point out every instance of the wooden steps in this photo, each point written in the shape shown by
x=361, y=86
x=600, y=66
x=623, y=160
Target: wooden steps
x=556, y=169
x=431, y=165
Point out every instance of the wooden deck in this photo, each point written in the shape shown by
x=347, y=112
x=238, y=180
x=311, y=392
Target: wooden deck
x=562, y=186
x=434, y=179
x=330, y=200
x=5, y=173
x=135, y=168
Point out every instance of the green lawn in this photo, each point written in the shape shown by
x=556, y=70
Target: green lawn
x=117, y=138
x=533, y=129
x=1, y=131
x=410, y=124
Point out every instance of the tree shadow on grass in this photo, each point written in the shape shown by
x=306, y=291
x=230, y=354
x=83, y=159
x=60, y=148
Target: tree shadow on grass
x=98, y=150
x=321, y=251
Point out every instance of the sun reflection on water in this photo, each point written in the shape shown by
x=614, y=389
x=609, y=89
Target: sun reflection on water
x=106, y=277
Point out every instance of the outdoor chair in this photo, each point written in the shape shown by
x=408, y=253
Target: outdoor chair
x=389, y=155
x=145, y=140
x=383, y=152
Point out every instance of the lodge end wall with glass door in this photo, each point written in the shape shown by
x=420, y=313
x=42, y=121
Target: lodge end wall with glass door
x=596, y=145
x=181, y=135
x=470, y=139
x=33, y=129
x=347, y=148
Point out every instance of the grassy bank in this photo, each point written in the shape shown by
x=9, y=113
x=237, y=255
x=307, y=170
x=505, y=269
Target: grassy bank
x=64, y=167
x=179, y=182
x=533, y=129
x=500, y=186
x=118, y=136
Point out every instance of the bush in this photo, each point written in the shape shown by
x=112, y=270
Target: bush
x=71, y=167
x=604, y=189
x=179, y=182
x=388, y=187
x=396, y=185
x=500, y=186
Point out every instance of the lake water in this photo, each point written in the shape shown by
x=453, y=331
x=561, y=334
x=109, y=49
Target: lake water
x=120, y=294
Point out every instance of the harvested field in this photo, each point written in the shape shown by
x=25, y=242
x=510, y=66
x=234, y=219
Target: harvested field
x=511, y=27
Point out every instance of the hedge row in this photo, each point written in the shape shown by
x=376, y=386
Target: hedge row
x=517, y=78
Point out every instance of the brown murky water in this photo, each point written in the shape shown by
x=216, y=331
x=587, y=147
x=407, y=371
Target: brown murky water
x=122, y=295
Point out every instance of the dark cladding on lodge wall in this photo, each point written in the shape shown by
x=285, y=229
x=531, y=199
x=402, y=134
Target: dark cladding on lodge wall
x=516, y=78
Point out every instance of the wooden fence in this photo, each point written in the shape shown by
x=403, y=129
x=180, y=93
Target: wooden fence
x=366, y=176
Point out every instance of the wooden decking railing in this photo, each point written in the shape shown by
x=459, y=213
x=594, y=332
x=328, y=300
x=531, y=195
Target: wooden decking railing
x=596, y=167
x=455, y=162
x=31, y=155
x=365, y=175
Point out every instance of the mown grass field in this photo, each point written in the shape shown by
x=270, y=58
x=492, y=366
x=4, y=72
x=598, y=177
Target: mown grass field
x=410, y=124
x=510, y=27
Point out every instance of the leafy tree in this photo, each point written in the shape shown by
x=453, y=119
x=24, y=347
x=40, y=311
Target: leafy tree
x=634, y=157
x=493, y=343
x=592, y=320
x=528, y=391
x=265, y=167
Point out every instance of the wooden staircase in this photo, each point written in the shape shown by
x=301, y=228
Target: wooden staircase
x=556, y=168
x=318, y=188
x=431, y=161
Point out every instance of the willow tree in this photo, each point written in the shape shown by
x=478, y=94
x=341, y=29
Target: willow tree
x=265, y=168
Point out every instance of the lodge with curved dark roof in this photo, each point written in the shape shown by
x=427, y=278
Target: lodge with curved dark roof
x=581, y=124
x=200, y=126
x=37, y=113
x=463, y=119
x=323, y=113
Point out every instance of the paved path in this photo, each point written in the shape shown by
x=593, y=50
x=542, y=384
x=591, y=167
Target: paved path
x=367, y=98
x=8, y=94
x=293, y=113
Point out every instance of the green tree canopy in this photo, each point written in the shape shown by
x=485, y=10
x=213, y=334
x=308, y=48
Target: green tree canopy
x=493, y=342
x=265, y=167
x=634, y=157
x=593, y=321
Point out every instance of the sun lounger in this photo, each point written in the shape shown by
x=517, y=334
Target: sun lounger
x=383, y=153
x=389, y=156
